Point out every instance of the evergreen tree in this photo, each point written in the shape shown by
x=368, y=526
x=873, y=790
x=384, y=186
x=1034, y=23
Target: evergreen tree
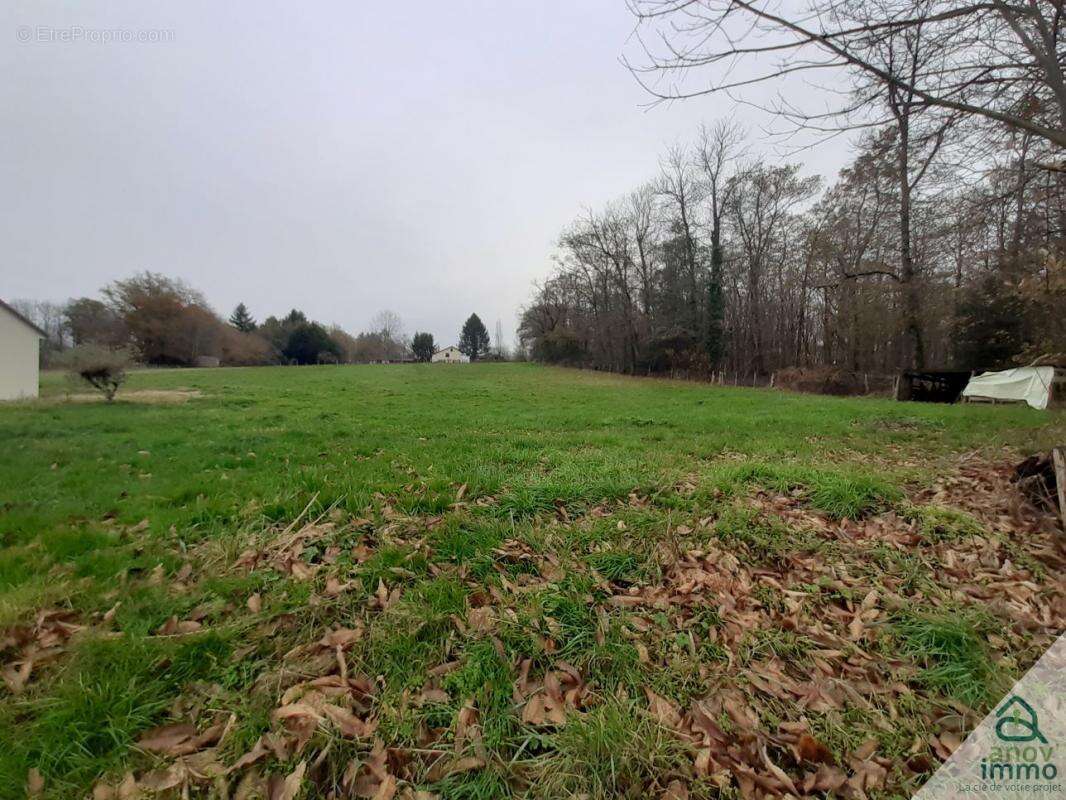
x=423, y=346
x=310, y=343
x=241, y=319
x=474, y=339
x=990, y=326
x=714, y=331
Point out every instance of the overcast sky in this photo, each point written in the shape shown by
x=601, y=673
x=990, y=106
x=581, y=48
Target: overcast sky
x=341, y=158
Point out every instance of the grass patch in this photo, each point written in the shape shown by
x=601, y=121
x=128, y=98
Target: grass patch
x=942, y=524
x=839, y=494
x=952, y=655
x=111, y=691
x=586, y=472
x=618, y=567
x=613, y=751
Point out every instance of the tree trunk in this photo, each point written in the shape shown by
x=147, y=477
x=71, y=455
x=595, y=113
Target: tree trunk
x=914, y=347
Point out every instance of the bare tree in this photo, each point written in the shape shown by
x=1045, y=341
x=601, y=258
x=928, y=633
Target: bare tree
x=683, y=192
x=717, y=153
x=388, y=324
x=898, y=263
x=762, y=199
x=1000, y=61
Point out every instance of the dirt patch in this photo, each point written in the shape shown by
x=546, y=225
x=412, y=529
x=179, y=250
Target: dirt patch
x=149, y=396
x=829, y=380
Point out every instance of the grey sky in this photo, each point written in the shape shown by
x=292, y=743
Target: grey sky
x=337, y=157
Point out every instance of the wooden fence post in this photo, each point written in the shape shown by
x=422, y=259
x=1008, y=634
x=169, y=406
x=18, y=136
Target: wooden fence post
x=1058, y=455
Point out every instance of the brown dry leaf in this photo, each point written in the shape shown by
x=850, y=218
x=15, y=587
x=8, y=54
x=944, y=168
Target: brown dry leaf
x=480, y=619
x=17, y=674
x=252, y=786
x=870, y=600
x=259, y=749
x=300, y=720
x=166, y=738
x=387, y=789
x=810, y=749
x=433, y=696
x=160, y=780
x=777, y=772
x=347, y=723
x=34, y=782
x=341, y=637
x=543, y=709
x=738, y=713
x=334, y=587
x=856, y=627
x=174, y=627
x=663, y=710
x=946, y=744
x=128, y=788
x=675, y=791
x=533, y=713
x=255, y=603
x=453, y=767
x=110, y=613
x=826, y=779
x=289, y=787
x=204, y=765
x=371, y=778
x=865, y=750
x=302, y=571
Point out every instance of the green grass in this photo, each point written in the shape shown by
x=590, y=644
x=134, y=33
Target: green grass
x=614, y=751
x=577, y=485
x=109, y=692
x=952, y=654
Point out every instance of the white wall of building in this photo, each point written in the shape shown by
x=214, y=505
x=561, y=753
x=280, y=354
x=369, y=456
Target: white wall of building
x=450, y=355
x=19, y=357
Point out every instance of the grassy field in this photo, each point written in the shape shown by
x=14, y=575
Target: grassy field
x=503, y=580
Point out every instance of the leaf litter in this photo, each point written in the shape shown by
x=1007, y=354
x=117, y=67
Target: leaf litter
x=803, y=636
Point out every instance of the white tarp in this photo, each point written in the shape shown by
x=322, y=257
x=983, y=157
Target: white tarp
x=1031, y=384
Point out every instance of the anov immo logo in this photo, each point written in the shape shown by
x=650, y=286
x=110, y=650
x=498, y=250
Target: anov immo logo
x=1015, y=751
x=1024, y=753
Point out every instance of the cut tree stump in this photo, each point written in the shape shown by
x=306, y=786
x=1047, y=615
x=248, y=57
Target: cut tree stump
x=1059, y=456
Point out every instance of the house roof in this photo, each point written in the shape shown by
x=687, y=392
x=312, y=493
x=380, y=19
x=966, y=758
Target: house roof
x=22, y=319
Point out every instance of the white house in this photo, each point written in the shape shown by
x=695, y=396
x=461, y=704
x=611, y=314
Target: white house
x=20, y=353
x=450, y=355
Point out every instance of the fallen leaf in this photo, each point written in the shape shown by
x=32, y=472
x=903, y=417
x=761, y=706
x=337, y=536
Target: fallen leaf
x=810, y=749
x=662, y=709
x=174, y=627
x=675, y=791
x=289, y=787
x=160, y=780
x=34, y=783
x=433, y=696
x=347, y=723
x=166, y=738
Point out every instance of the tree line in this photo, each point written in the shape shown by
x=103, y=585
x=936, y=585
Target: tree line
x=940, y=244
x=164, y=322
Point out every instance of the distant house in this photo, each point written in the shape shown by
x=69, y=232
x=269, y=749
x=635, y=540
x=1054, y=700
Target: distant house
x=20, y=354
x=450, y=355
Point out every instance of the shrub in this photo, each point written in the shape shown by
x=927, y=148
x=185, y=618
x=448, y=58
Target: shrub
x=103, y=368
x=822, y=380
